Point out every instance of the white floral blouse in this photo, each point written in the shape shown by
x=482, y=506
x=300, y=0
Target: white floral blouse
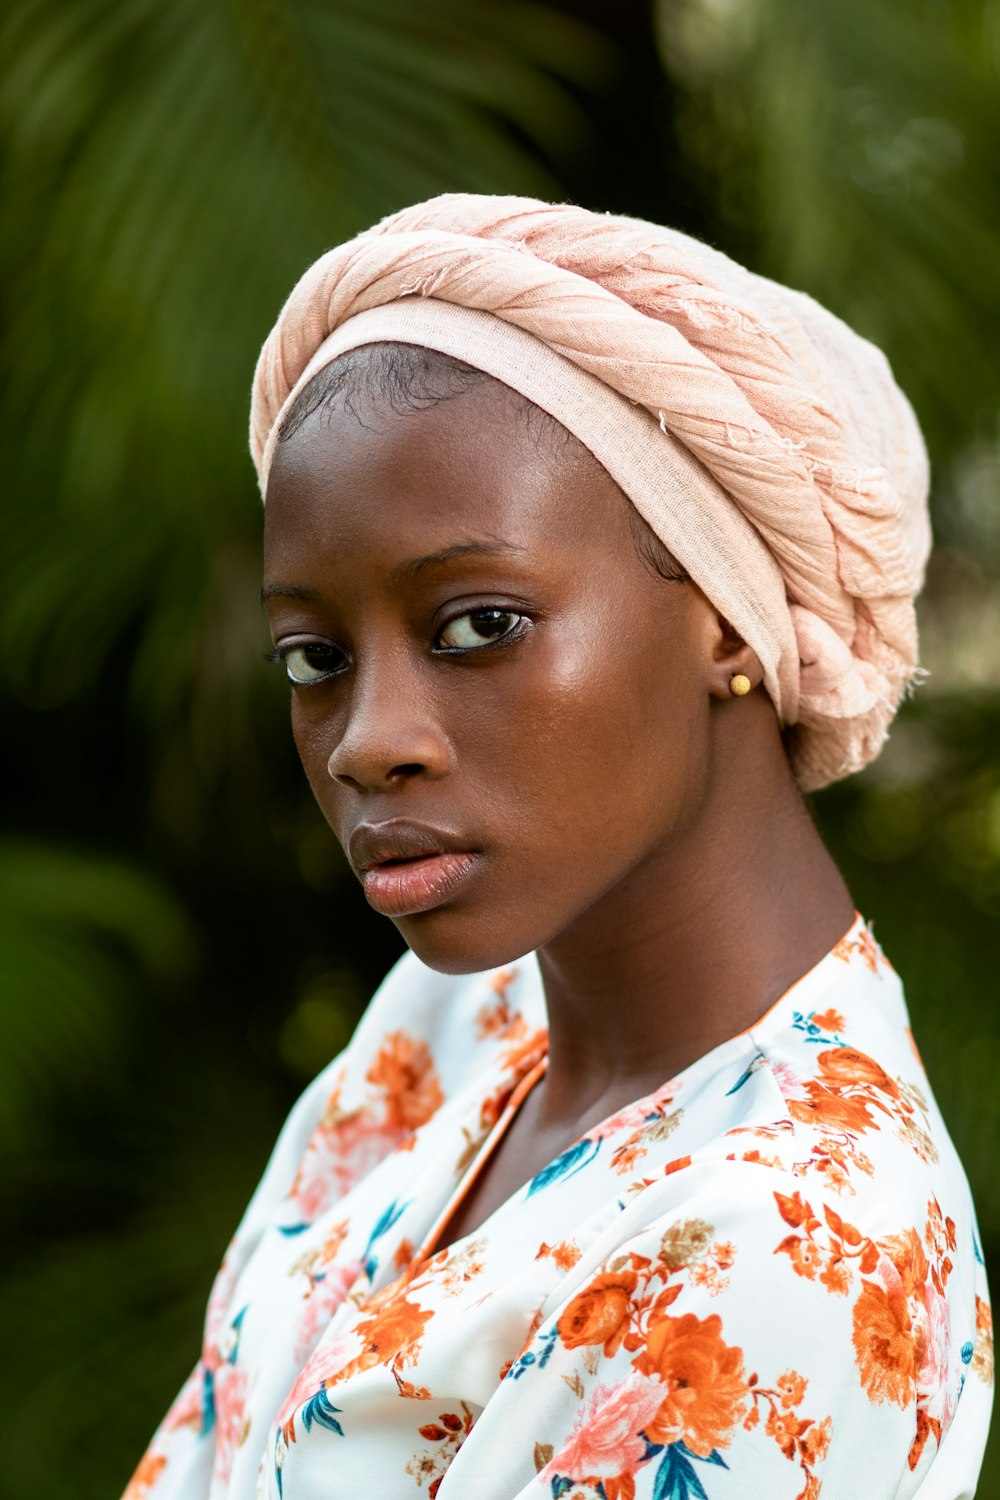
x=761, y=1282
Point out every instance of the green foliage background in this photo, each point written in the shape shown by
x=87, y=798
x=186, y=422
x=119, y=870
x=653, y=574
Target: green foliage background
x=180, y=945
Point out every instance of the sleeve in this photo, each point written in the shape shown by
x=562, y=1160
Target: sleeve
x=747, y=1344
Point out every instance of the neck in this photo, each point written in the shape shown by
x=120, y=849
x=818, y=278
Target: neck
x=689, y=949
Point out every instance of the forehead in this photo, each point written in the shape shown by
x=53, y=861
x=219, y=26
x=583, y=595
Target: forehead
x=364, y=476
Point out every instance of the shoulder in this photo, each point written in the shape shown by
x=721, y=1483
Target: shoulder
x=812, y=1315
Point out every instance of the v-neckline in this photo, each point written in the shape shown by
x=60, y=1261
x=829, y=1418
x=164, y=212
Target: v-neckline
x=520, y=1092
x=709, y=1061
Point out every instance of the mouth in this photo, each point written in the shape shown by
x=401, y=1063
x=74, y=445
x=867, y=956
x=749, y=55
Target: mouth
x=403, y=887
x=407, y=868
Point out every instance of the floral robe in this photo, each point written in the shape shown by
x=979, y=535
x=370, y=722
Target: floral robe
x=761, y=1282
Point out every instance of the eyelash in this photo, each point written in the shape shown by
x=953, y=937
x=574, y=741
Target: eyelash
x=523, y=623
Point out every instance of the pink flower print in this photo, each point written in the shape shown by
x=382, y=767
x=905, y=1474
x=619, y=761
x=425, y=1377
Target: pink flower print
x=340, y=1153
x=933, y=1339
x=323, y=1298
x=231, y=1423
x=218, y=1303
x=605, y=1441
x=326, y=1360
x=788, y=1080
x=635, y=1116
x=187, y=1408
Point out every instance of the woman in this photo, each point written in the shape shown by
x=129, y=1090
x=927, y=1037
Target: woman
x=588, y=552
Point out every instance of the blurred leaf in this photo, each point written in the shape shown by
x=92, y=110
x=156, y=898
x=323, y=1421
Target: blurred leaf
x=170, y=169
x=851, y=150
x=79, y=935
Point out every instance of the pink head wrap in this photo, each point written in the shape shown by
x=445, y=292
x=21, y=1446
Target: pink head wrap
x=764, y=442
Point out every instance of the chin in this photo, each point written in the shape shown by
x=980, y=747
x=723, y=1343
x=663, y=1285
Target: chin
x=451, y=943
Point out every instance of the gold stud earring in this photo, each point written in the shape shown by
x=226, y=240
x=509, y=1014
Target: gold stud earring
x=739, y=685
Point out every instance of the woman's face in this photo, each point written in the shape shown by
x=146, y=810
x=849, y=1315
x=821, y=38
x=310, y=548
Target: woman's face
x=504, y=714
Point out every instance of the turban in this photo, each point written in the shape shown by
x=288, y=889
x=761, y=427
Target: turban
x=765, y=443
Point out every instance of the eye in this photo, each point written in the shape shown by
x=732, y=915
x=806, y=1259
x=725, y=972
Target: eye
x=480, y=627
x=311, y=662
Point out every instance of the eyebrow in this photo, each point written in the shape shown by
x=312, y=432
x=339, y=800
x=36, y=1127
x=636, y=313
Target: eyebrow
x=494, y=547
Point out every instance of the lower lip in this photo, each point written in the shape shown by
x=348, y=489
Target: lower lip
x=417, y=884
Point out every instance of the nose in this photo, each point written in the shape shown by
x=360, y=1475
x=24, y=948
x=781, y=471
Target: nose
x=389, y=736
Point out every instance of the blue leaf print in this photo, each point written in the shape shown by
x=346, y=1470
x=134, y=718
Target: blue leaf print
x=529, y=1357
x=572, y=1160
x=747, y=1073
x=967, y=1352
x=318, y=1409
x=233, y=1341
x=290, y=1229
x=813, y=1032
x=549, y=1340
x=207, y=1402
x=391, y=1216
x=676, y=1478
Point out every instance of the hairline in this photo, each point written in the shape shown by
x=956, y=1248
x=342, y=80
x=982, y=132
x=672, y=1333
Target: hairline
x=412, y=378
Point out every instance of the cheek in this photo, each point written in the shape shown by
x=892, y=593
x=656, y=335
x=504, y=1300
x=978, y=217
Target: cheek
x=598, y=747
x=311, y=733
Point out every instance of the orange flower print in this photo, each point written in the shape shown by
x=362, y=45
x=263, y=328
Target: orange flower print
x=869, y=949
x=828, y=1020
x=844, y=949
x=706, y=1393
x=842, y=1097
x=494, y=1019
x=830, y=1110
x=883, y=1343
x=801, y=1438
x=865, y=946
x=145, y=1476
x=404, y=1069
x=565, y=1254
x=982, y=1358
x=845, y=1065
x=927, y=1427
x=806, y=1258
x=908, y=1259
x=836, y=1277
x=600, y=1313
x=526, y=1047
x=392, y=1329
x=815, y=1444
x=785, y=1427
x=792, y=1388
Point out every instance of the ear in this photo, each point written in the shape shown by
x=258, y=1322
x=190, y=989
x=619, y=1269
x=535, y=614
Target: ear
x=730, y=657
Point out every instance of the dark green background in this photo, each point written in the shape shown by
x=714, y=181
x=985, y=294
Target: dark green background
x=181, y=946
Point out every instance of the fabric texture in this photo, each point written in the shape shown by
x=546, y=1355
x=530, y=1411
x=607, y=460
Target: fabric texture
x=760, y=1282
x=765, y=442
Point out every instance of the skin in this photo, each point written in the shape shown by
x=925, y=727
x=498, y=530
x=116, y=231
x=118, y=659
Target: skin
x=637, y=825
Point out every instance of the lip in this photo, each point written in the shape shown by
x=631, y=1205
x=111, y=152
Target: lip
x=407, y=868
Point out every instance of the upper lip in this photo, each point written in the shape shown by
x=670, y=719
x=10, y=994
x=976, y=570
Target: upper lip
x=373, y=843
